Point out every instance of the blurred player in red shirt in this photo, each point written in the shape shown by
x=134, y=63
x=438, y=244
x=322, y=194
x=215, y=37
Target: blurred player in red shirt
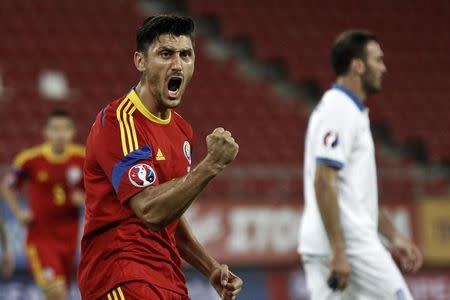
x=139, y=180
x=53, y=174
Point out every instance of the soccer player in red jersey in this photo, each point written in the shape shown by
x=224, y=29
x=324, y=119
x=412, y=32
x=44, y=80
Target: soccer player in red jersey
x=53, y=173
x=139, y=181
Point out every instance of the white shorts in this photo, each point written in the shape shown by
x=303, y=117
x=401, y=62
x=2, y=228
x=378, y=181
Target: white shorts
x=374, y=276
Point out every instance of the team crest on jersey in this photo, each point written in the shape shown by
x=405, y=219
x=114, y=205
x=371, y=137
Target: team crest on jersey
x=141, y=175
x=187, y=151
x=74, y=175
x=331, y=139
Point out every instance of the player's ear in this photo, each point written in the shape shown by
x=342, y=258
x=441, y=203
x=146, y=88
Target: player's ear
x=358, y=66
x=139, y=61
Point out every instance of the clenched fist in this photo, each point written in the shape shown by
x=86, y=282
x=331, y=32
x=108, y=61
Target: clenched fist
x=222, y=148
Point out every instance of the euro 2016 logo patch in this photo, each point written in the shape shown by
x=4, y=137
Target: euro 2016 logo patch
x=141, y=175
x=187, y=151
x=331, y=139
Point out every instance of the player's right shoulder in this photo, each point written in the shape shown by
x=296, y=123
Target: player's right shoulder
x=114, y=128
x=108, y=115
x=27, y=155
x=335, y=104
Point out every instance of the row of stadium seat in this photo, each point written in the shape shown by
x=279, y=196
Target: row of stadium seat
x=416, y=47
x=99, y=68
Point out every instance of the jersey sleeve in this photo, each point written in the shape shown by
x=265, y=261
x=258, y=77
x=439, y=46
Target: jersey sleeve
x=129, y=168
x=19, y=170
x=334, y=135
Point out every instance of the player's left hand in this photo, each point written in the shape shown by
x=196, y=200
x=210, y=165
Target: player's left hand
x=406, y=254
x=227, y=284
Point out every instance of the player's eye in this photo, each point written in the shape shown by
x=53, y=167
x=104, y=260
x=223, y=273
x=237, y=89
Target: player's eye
x=166, y=53
x=186, y=53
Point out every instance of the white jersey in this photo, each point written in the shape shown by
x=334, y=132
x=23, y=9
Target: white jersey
x=339, y=135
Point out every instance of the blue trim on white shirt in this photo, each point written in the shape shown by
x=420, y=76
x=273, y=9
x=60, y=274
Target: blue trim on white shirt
x=330, y=162
x=400, y=294
x=127, y=161
x=351, y=95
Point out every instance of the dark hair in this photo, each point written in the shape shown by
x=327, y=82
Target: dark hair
x=154, y=26
x=58, y=113
x=347, y=46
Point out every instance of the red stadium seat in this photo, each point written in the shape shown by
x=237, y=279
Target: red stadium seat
x=92, y=43
x=301, y=33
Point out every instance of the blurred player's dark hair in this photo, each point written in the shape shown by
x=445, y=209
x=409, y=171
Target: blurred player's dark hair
x=58, y=113
x=155, y=26
x=347, y=46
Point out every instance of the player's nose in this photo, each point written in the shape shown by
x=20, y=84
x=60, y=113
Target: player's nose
x=383, y=68
x=177, y=63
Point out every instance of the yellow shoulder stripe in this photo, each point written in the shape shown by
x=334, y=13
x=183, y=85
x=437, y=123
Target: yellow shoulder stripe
x=75, y=149
x=122, y=296
x=27, y=155
x=128, y=134
x=116, y=296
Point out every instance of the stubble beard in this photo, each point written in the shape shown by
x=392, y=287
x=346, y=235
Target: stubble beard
x=368, y=84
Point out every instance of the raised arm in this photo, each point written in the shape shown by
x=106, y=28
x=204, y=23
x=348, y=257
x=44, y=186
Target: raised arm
x=326, y=195
x=161, y=205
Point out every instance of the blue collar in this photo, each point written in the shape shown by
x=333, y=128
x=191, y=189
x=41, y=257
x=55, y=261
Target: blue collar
x=351, y=95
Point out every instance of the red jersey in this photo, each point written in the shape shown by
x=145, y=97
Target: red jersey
x=50, y=180
x=128, y=150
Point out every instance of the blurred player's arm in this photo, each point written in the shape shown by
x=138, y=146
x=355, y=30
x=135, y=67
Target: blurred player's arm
x=227, y=284
x=3, y=237
x=11, y=197
x=326, y=195
x=7, y=261
x=78, y=197
x=161, y=205
x=402, y=249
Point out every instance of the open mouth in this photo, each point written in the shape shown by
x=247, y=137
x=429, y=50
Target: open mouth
x=173, y=86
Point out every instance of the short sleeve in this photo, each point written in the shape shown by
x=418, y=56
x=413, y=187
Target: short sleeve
x=15, y=177
x=18, y=172
x=129, y=171
x=334, y=135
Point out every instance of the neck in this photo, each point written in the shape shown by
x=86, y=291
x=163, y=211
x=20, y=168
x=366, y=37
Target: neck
x=353, y=84
x=150, y=102
x=57, y=149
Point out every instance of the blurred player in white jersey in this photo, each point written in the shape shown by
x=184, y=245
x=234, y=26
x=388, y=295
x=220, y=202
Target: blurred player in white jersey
x=342, y=254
